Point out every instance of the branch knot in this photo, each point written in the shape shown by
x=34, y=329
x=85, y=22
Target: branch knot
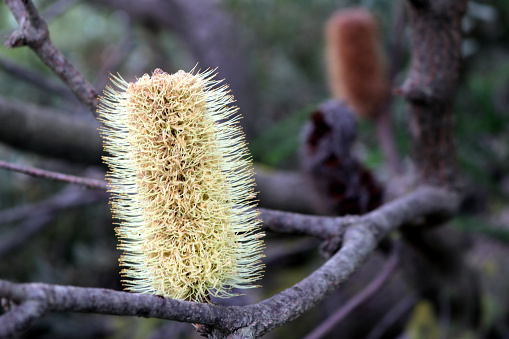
x=29, y=34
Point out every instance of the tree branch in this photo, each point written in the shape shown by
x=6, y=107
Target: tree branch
x=359, y=242
x=36, y=172
x=62, y=200
x=47, y=132
x=39, y=80
x=55, y=298
x=62, y=136
x=295, y=223
x=375, y=285
x=24, y=233
x=38, y=219
x=33, y=32
x=277, y=221
x=21, y=317
x=392, y=315
x=431, y=85
x=439, y=269
x=285, y=190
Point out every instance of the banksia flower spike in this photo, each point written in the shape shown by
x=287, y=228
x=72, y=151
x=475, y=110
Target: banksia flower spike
x=355, y=64
x=182, y=186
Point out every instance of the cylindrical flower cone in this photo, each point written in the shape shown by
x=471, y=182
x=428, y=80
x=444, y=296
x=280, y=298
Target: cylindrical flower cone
x=182, y=186
x=355, y=64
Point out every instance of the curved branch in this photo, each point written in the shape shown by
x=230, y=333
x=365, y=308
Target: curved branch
x=55, y=298
x=375, y=285
x=33, y=32
x=359, y=242
x=21, y=317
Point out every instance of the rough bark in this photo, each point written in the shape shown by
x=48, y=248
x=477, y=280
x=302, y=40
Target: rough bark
x=437, y=264
x=33, y=32
x=430, y=87
x=359, y=241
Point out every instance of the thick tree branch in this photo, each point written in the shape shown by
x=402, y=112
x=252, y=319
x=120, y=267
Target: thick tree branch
x=431, y=85
x=439, y=268
x=54, y=298
x=47, y=132
x=33, y=32
x=359, y=242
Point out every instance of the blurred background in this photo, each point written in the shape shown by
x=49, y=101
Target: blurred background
x=271, y=53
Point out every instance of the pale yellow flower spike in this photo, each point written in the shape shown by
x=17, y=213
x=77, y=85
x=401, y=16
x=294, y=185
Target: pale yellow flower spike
x=182, y=186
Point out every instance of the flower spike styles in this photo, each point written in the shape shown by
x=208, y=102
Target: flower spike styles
x=182, y=186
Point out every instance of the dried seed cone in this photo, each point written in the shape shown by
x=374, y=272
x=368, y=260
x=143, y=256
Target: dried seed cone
x=355, y=64
x=182, y=186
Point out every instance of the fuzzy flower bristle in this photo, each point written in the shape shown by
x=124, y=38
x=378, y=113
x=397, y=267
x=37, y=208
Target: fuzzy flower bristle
x=182, y=186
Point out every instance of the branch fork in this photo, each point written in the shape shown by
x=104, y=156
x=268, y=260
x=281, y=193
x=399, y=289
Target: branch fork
x=33, y=31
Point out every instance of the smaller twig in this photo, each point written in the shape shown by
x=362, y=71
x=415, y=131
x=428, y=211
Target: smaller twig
x=117, y=57
x=21, y=317
x=18, y=213
x=24, y=233
x=281, y=251
x=17, y=10
x=36, y=172
x=392, y=316
x=379, y=281
x=39, y=219
x=40, y=81
x=53, y=204
x=295, y=223
x=58, y=8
